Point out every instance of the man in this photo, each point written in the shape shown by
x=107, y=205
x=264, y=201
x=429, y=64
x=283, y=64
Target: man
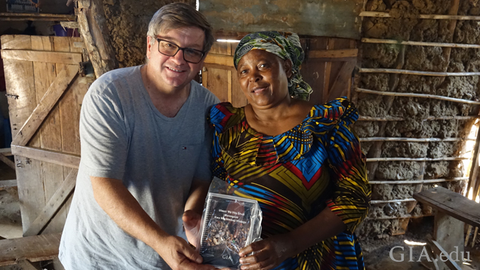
x=145, y=154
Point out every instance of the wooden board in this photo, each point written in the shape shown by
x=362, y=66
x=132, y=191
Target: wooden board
x=451, y=203
x=218, y=59
x=4, y=184
x=218, y=82
x=32, y=248
x=438, y=250
x=71, y=161
x=57, y=213
x=45, y=105
x=46, y=98
x=49, y=131
x=6, y=160
x=238, y=97
x=20, y=83
x=44, y=57
x=53, y=205
x=449, y=234
x=6, y=151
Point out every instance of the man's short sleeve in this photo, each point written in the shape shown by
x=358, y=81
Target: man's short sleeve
x=103, y=132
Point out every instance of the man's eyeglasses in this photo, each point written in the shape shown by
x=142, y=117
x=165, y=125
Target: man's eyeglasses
x=171, y=49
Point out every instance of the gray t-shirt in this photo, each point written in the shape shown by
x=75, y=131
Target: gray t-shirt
x=123, y=136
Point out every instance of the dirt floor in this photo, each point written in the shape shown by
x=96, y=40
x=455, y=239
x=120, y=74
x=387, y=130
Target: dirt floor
x=399, y=253
x=10, y=219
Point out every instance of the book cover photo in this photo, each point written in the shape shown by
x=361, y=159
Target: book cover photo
x=230, y=223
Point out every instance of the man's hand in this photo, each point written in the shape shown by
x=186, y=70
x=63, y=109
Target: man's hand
x=179, y=255
x=124, y=209
x=191, y=223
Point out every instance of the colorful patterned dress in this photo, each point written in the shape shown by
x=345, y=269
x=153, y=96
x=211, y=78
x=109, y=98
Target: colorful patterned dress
x=295, y=175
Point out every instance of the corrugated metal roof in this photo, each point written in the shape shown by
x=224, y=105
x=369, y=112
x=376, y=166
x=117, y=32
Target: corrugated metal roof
x=332, y=18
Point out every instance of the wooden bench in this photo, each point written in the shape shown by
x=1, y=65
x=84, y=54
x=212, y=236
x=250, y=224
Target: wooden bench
x=26, y=250
x=453, y=210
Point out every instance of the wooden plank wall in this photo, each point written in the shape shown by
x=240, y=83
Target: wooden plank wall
x=328, y=68
x=219, y=74
x=27, y=82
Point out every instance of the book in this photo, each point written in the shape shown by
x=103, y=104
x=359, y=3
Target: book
x=230, y=223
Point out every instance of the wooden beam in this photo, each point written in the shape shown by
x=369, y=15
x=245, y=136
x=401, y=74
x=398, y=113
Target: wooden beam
x=93, y=28
x=421, y=16
x=72, y=25
x=13, y=16
x=415, y=159
x=54, y=157
x=342, y=81
x=419, y=43
x=392, y=201
x=33, y=248
x=332, y=54
x=438, y=250
x=448, y=232
x=6, y=151
x=26, y=265
x=67, y=58
x=404, y=139
x=205, y=77
x=330, y=45
x=53, y=94
x=451, y=203
x=410, y=182
x=229, y=85
x=391, y=118
x=472, y=186
x=53, y=205
x=4, y=184
x=415, y=72
x=219, y=59
x=7, y=161
x=402, y=94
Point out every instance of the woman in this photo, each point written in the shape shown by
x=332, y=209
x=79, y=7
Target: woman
x=301, y=162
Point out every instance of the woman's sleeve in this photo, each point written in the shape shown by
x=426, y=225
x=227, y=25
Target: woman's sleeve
x=351, y=199
x=215, y=119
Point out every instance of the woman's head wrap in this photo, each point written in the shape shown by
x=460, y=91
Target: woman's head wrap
x=286, y=46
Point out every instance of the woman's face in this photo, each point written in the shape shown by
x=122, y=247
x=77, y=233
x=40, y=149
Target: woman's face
x=263, y=77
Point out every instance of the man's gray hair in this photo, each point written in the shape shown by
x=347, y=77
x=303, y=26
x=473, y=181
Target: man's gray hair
x=177, y=15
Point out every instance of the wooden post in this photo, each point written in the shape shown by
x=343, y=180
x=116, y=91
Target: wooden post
x=449, y=233
x=93, y=28
x=452, y=211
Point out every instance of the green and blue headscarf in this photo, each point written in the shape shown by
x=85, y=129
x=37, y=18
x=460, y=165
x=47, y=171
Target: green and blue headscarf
x=284, y=45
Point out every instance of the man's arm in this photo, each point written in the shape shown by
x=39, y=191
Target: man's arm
x=115, y=199
x=196, y=200
x=193, y=211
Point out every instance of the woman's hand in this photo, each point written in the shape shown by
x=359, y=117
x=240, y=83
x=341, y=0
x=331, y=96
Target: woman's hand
x=191, y=223
x=266, y=254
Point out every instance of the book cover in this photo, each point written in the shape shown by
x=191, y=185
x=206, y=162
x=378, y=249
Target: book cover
x=230, y=223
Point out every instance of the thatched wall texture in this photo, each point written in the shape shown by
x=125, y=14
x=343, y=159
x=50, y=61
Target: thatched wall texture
x=446, y=123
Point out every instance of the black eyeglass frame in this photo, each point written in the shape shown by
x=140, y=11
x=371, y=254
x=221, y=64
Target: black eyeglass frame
x=178, y=49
